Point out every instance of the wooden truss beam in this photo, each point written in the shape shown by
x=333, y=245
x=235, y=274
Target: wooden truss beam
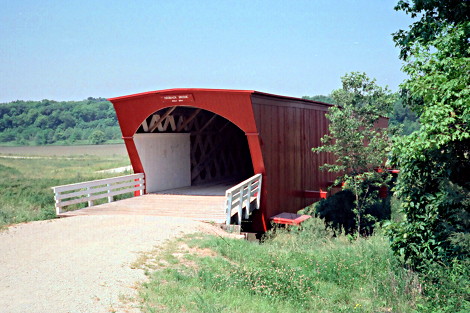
x=164, y=116
x=188, y=120
x=207, y=123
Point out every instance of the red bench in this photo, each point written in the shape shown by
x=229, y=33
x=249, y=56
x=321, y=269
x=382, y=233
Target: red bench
x=289, y=218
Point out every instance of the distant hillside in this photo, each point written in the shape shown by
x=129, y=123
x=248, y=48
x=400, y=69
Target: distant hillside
x=321, y=98
x=400, y=116
x=94, y=121
x=51, y=122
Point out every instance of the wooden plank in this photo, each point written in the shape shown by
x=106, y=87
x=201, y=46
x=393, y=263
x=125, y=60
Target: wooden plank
x=289, y=218
x=97, y=182
x=240, y=197
x=254, y=177
x=145, y=126
x=169, y=121
x=188, y=120
x=101, y=196
x=204, y=208
x=168, y=112
x=208, y=122
x=108, y=186
x=206, y=159
x=228, y=210
x=258, y=193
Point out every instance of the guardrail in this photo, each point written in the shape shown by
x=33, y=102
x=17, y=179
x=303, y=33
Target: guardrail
x=97, y=189
x=241, y=196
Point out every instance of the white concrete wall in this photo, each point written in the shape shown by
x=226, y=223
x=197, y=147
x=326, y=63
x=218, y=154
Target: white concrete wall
x=166, y=160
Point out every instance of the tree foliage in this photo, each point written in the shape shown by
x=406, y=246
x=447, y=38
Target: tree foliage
x=434, y=182
x=97, y=137
x=434, y=16
x=46, y=122
x=358, y=145
x=403, y=118
x=320, y=98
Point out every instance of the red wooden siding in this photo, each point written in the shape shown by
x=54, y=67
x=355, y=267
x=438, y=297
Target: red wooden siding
x=288, y=130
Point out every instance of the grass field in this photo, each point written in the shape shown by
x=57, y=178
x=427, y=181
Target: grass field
x=76, y=150
x=28, y=173
x=293, y=271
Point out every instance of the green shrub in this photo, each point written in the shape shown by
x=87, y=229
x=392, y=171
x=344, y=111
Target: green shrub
x=337, y=211
x=97, y=137
x=446, y=288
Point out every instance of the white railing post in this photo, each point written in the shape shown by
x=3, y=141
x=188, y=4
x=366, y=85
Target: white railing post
x=58, y=208
x=90, y=202
x=248, y=202
x=240, y=206
x=258, y=195
x=244, y=198
x=110, y=198
x=229, y=208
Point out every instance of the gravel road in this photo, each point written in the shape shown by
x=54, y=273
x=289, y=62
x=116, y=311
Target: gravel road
x=82, y=263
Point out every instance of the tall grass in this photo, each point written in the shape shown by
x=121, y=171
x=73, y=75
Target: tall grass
x=25, y=184
x=291, y=271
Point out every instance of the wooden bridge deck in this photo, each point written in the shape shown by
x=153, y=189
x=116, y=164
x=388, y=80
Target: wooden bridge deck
x=204, y=203
x=204, y=208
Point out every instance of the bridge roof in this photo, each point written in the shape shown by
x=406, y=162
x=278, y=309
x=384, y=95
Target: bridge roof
x=209, y=90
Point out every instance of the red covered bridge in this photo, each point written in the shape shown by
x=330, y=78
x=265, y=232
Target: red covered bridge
x=193, y=144
x=228, y=135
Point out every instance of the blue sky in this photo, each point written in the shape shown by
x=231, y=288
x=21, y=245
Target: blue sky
x=70, y=50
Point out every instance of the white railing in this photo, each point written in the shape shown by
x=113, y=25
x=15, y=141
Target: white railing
x=240, y=196
x=97, y=189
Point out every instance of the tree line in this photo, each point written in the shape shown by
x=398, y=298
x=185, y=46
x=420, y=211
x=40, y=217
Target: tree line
x=58, y=122
x=400, y=115
x=94, y=121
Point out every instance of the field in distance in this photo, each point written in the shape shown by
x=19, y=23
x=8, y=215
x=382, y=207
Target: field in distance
x=28, y=173
x=97, y=150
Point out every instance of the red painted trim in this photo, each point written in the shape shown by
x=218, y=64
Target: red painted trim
x=134, y=156
x=294, y=220
x=391, y=170
x=177, y=91
x=264, y=225
x=189, y=90
x=315, y=194
x=291, y=98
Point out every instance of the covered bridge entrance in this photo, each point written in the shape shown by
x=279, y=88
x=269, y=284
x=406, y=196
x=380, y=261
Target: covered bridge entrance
x=184, y=146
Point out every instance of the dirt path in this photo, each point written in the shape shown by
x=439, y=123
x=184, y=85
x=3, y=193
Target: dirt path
x=80, y=264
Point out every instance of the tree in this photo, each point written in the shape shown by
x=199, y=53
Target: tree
x=436, y=15
x=359, y=147
x=434, y=161
x=403, y=117
x=26, y=119
x=97, y=137
x=321, y=98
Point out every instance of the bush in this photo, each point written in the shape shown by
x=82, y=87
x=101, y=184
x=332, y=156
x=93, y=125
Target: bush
x=97, y=137
x=337, y=211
